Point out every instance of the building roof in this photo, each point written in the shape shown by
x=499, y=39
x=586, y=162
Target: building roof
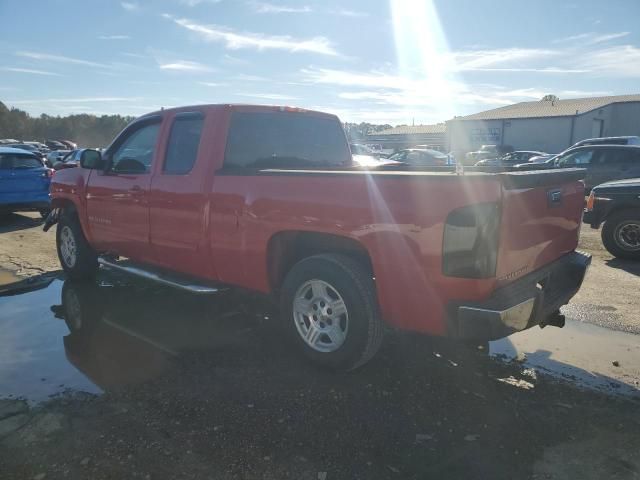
x=413, y=130
x=548, y=108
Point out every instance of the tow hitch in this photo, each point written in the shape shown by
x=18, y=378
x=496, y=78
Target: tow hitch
x=52, y=219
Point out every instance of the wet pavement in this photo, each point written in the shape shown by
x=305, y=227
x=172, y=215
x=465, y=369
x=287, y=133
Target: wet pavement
x=70, y=337
x=177, y=386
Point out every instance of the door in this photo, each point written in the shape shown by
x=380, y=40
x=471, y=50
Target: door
x=23, y=179
x=611, y=164
x=597, y=128
x=177, y=201
x=117, y=198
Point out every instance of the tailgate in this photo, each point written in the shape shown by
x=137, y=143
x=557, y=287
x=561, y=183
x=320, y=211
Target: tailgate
x=541, y=217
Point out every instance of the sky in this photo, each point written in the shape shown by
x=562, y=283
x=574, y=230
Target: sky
x=379, y=61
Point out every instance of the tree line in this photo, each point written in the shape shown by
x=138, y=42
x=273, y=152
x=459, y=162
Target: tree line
x=98, y=131
x=83, y=129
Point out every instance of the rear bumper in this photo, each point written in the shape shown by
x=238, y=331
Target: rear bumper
x=532, y=300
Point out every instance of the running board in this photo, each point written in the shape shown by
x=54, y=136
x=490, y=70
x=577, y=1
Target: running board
x=156, y=276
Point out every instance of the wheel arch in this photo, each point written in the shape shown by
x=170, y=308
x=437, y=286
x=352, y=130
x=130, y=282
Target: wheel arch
x=286, y=248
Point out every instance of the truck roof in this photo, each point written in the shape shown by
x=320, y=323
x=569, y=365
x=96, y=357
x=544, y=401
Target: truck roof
x=243, y=107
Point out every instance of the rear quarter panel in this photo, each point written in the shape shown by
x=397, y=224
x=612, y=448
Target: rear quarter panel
x=398, y=219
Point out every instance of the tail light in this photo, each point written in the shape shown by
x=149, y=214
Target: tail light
x=470, y=241
x=590, y=201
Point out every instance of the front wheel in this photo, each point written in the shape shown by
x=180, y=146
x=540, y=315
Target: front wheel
x=621, y=234
x=329, y=309
x=78, y=259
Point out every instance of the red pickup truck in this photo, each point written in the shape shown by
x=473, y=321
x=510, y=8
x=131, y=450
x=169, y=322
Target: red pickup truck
x=267, y=198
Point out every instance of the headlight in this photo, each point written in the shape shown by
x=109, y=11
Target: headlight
x=470, y=241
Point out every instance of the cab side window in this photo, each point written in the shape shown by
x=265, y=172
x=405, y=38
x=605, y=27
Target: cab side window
x=184, y=140
x=135, y=153
x=582, y=157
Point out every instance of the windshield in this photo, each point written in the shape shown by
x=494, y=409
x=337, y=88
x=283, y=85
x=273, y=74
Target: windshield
x=16, y=161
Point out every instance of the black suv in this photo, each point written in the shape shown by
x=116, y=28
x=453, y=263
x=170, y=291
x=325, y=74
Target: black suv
x=602, y=162
x=617, y=204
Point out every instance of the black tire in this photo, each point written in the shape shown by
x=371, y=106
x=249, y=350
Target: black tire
x=354, y=285
x=612, y=237
x=83, y=264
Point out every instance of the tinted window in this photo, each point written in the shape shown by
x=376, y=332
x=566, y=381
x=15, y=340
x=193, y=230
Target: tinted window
x=182, y=149
x=285, y=140
x=135, y=154
x=582, y=157
x=615, y=156
x=19, y=162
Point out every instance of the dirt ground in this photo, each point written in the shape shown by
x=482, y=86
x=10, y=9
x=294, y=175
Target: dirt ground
x=159, y=385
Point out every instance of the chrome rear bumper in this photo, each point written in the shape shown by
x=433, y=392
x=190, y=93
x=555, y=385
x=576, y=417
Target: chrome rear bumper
x=532, y=300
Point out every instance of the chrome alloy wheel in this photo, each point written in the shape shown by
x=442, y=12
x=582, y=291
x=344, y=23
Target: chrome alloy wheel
x=321, y=316
x=68, y=248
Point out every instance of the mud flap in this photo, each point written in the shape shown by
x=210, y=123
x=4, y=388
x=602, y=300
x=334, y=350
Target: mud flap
x=52, y=219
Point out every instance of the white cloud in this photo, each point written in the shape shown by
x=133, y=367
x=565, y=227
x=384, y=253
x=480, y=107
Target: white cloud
x=264, y=7
x=349, y=13
x=619, y=61
x=591, y=38
x=185, y=66
x=60, y=59
x=30, y=71
x=475, y=59
x=114, y=37
x=130, y=6
x=212, y=84
x=195, y=3
x=268, y=96
x=257, y=41
x=74, y=100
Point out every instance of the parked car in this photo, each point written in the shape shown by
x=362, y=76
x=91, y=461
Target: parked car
x=70, y=160
x=488, y=151
x=603, y=163
x=24, y=182
x=542, y=158
x=369, y=161
x=418, y=157
x=265, y=198
x=629, y=140
x=55, y=145
x=55, y=156
x=30, y=148
x=617, y=204
x=512, y=158
x=69, y=144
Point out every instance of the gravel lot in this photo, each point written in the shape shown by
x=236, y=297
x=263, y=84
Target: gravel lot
x=155, y=384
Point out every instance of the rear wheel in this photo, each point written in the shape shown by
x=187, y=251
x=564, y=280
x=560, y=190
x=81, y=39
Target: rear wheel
x=78, y=259
x=621, y=234
x=329, y=309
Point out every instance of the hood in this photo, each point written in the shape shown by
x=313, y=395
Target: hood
x=619, y=184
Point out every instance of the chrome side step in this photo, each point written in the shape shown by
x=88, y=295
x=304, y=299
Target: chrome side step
x=139, y=271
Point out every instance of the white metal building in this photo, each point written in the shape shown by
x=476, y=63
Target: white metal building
x=549, y=125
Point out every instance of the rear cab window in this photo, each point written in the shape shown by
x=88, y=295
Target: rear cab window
x=285, y=140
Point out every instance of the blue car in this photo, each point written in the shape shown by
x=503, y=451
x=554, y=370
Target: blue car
x=24, y=182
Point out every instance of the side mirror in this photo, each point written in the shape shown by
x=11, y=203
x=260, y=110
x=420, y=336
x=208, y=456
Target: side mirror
x=91, y=159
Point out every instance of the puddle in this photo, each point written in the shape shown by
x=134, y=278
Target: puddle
x=581, y=353
x=93, y=337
